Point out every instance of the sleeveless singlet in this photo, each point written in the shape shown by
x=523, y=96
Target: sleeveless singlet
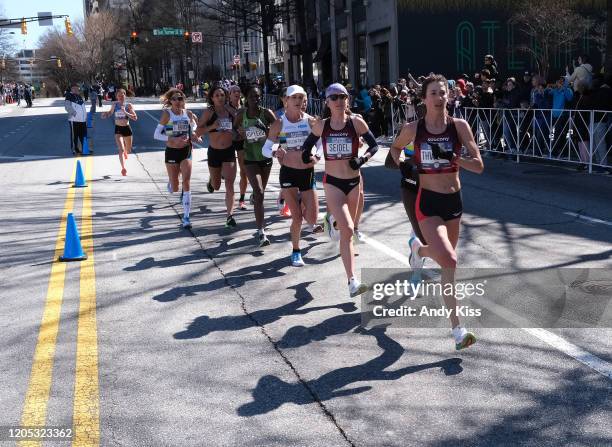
x=293, y=135
x=340, y=144
x=224, y=123
x=255, y=129
x=432, y=152
x=120, y=114
x=178, y=125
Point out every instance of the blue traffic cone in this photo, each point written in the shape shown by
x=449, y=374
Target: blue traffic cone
x=89, y=120
x=80, y=178
x=85, y=146
x=72, y=248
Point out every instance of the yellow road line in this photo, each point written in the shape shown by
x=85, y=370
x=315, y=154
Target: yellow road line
x=86, y=418
x=35, y=405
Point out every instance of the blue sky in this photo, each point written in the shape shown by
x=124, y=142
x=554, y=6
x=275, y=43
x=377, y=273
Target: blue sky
x=28, y=8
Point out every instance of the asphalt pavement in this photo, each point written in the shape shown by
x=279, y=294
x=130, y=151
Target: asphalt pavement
x=201, y=338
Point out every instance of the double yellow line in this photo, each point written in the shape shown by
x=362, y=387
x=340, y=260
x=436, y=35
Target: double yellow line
x=86, y=412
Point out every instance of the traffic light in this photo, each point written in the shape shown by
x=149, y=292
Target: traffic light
x=59, y=63
x=24, y=27
x=134, y=37
x=186, y=36
x=68, y=26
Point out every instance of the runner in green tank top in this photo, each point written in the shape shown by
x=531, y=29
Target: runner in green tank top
x=253, y=123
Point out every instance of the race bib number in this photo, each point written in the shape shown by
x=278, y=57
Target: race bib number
x=427, y=156
x=120, y=115
x=254, y=134
x=339, y=147
x=296, y=140
x=180, y=128
x=225, y=124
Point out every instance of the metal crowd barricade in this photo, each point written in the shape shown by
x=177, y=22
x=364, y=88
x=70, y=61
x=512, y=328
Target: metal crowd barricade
x=401, y=113
x=571, y=136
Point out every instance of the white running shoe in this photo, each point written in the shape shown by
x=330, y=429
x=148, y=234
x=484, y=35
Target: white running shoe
x=359, y=236
x=463, y=338
x=415, y=260
x=356, y=288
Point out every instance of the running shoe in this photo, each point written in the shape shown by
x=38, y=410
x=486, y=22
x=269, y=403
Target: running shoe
x=317, y=229
x=124, y=172
x=359, y=236
x=331, y=227
x=356, y=288
x=463, y=338
x=263, y=240
x=415, y=260
x=285, y=211
x=242, y=205
x=296, y=259
x=209, y=187
x=186, y=222
x=231, y=222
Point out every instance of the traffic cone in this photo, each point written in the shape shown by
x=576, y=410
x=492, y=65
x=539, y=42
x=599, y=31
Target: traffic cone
x=80, y=178
x=85, y=146
x=72, y=248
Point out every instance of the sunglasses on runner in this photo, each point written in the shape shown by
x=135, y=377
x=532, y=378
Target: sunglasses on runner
x=177, y=98
x=336, y=97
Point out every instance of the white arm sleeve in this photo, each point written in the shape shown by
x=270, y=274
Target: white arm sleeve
x=268, y=149
x=158, y=133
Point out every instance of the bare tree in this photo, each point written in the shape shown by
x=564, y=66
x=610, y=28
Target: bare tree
x=551, y=27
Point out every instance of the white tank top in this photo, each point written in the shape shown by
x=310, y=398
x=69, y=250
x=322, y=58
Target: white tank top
x=178, y=125
x=293, y=135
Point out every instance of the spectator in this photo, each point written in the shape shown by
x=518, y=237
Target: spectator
x=77, y=117
x=491, y=65
x=525, y=87
x=561, y=94
x=582, y=102
x=602, y=128
x=583, y=73
x=363, y=100
x=511, y=100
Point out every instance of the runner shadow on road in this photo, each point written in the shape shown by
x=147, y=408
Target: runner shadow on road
x=204, y=325
x=271, y=392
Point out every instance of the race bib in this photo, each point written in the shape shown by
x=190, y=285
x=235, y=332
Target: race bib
x=295, y=140
x=120, y=115
x=254, y=134
x=339, y=147
x=225, y=124
x=180, y=127
x=427, y=156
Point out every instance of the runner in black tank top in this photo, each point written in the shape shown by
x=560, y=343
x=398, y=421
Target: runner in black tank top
x=437, y=156
x=340, y=135
x=218, y=123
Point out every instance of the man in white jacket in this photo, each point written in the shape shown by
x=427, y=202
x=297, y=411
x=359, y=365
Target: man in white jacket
x=77, y=117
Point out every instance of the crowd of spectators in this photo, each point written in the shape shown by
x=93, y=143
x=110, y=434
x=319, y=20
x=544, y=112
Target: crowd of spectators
x=15, y=92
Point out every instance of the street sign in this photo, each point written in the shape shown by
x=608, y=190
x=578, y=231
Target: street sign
x=236, y=59
x=168, y=31
x=246, y=47
x=196, y=37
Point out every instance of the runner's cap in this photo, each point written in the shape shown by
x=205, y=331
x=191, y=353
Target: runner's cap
x=335, y=89
x=295, y=90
